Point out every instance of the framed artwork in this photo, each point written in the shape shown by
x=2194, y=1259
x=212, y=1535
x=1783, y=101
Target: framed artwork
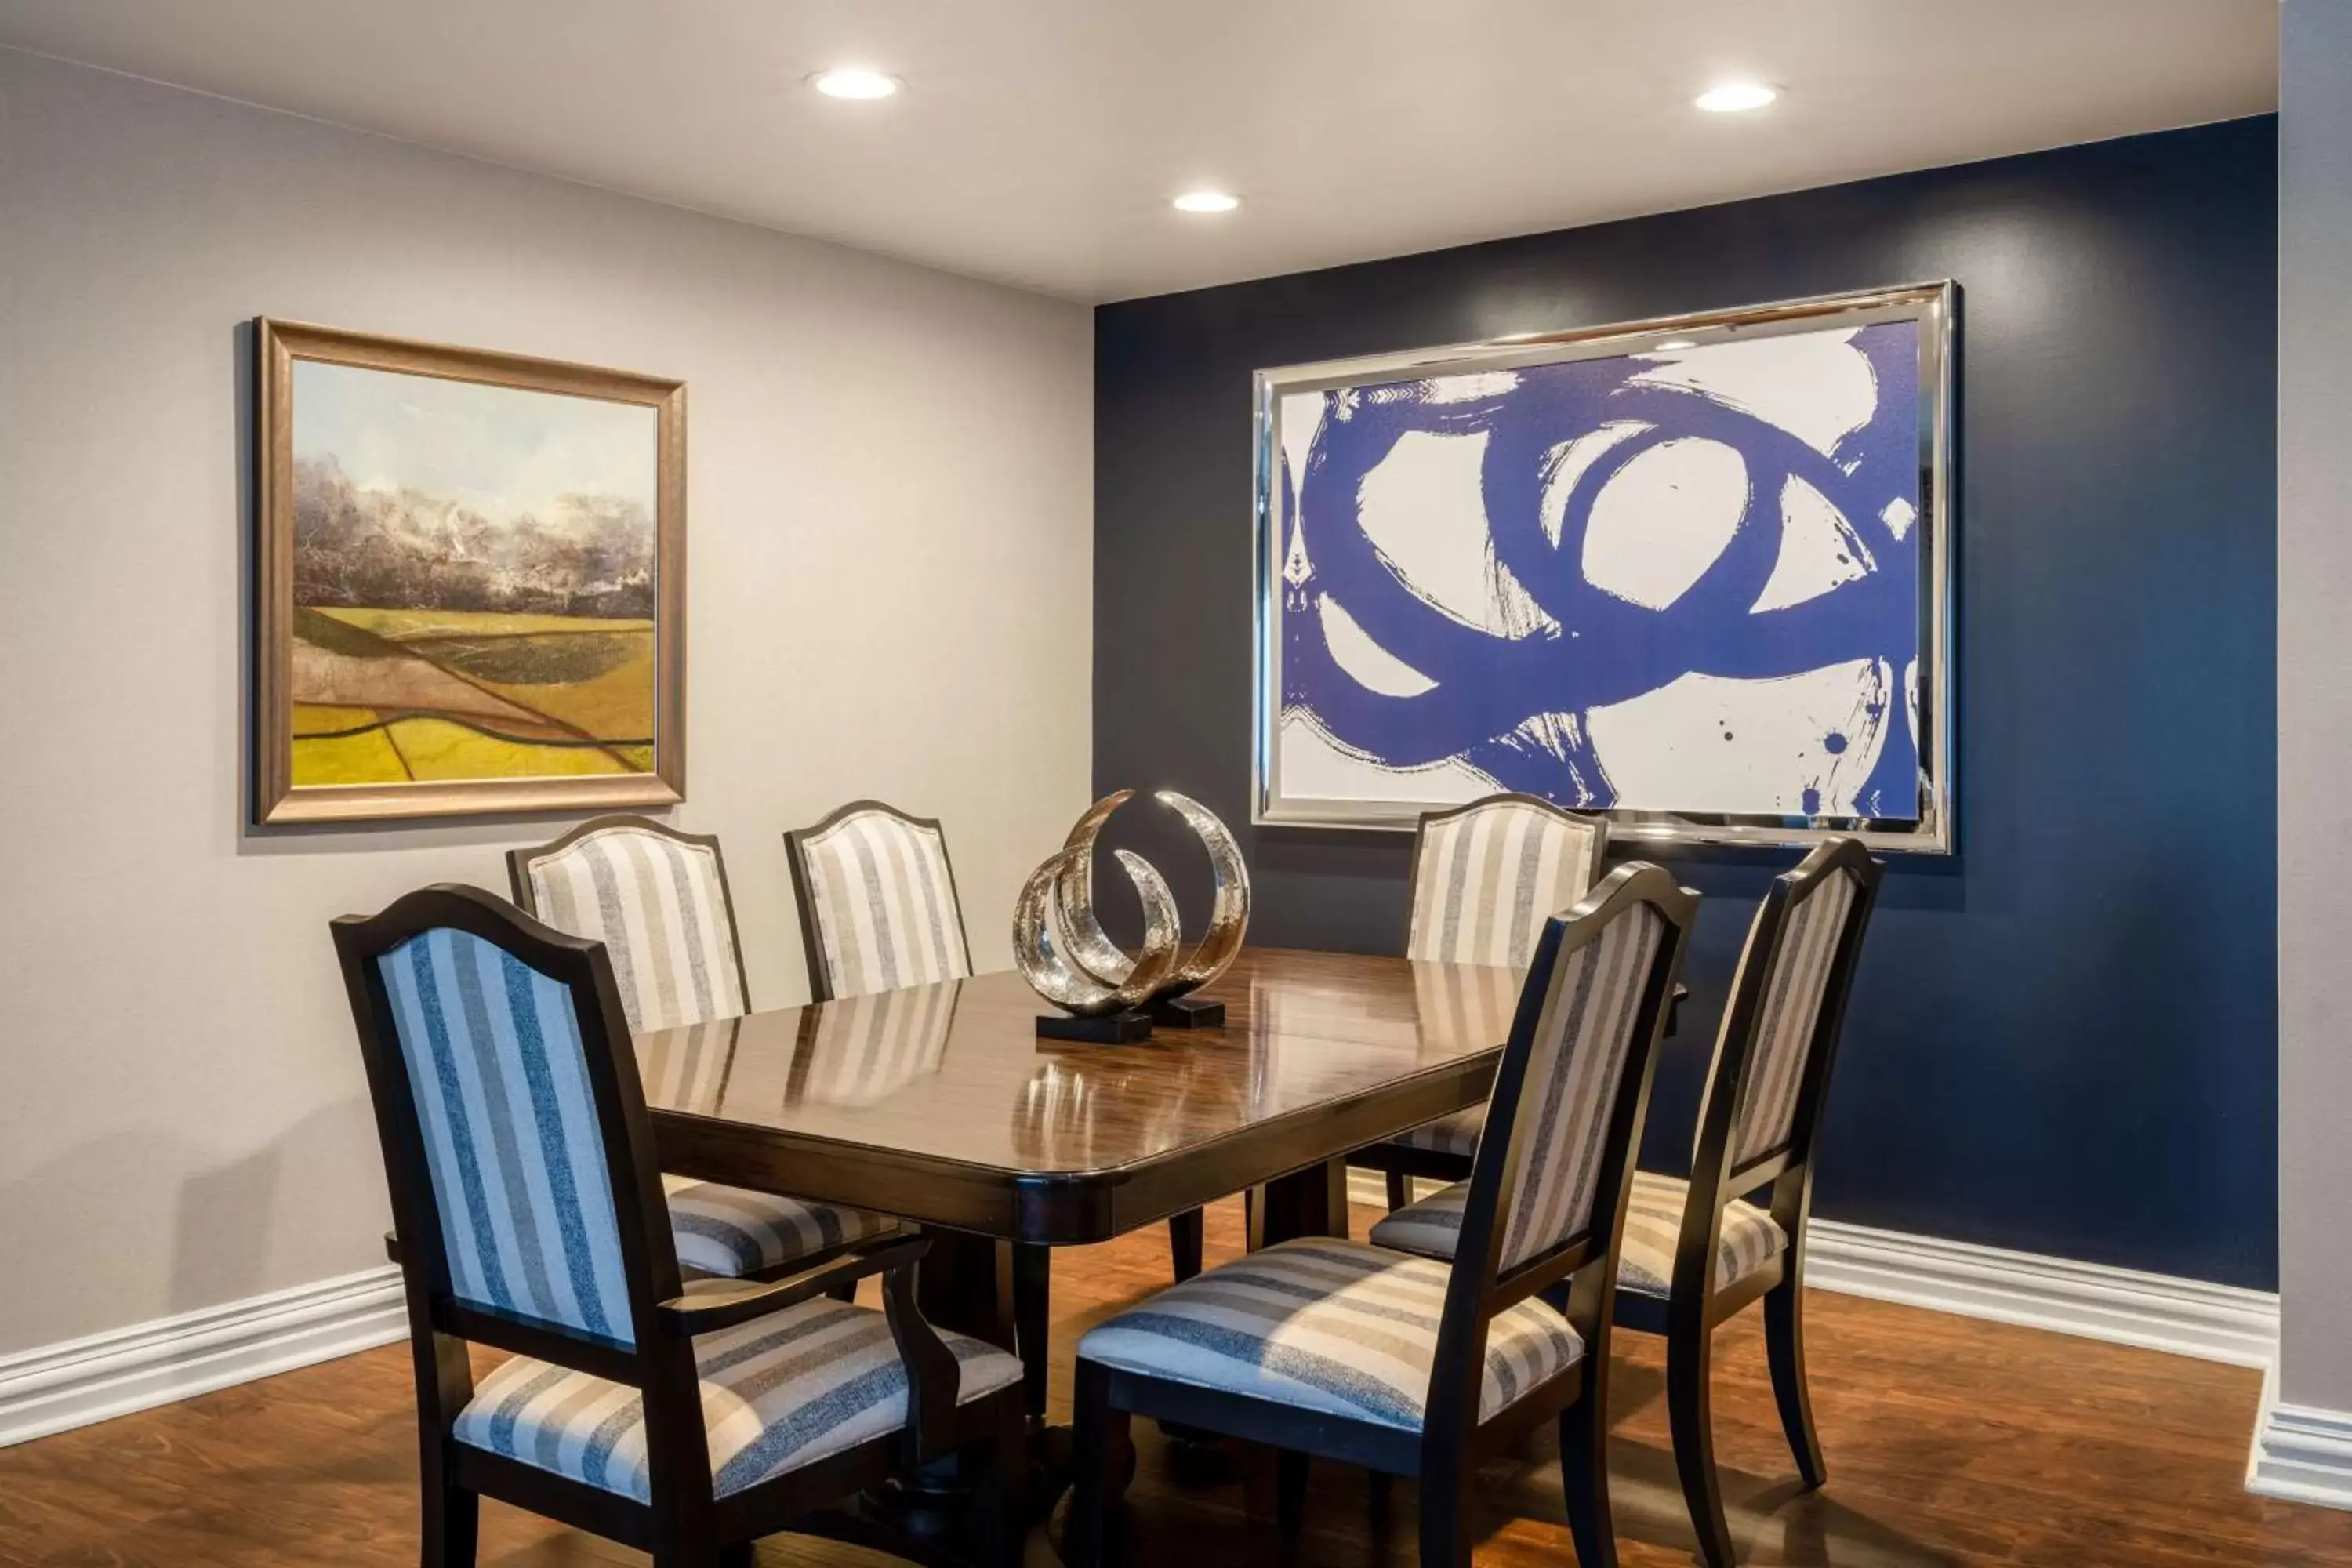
x=471, y=589
x=1692, y=574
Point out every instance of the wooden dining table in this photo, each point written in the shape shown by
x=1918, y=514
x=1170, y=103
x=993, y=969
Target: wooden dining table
x=939, y=1104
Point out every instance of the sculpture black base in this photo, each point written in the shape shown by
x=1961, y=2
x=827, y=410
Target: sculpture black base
x=1189, y=1013
x=1111, y=1029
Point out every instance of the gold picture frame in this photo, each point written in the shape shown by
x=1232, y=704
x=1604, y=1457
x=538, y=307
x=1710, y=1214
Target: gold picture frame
x=495, y=681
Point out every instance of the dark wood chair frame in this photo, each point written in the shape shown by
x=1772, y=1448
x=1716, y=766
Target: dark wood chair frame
x=1689, y=1315
x=1581, y=1270
x=1030, y=1269
x=685, y=1525
x=1399, y=1162
x=519, y=863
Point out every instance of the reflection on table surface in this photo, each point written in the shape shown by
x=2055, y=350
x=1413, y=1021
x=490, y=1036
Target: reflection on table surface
x=955, y=1070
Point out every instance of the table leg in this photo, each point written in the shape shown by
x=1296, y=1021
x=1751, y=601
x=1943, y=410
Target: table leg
x=1312, y=1202
x=1032, y=1316
x=965, y=1283
x=993, y=1291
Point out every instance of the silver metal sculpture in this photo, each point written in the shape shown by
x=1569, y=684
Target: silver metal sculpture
x=1038, y=946
x=1074, y=890
x=1060, y=945
x=1228, y=911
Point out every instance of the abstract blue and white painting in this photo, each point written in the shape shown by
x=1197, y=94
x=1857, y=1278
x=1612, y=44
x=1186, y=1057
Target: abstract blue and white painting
x=1683, y=580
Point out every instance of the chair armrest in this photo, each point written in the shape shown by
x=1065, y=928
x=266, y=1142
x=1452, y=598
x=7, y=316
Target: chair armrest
x=392, y=1246
x=740, y=1301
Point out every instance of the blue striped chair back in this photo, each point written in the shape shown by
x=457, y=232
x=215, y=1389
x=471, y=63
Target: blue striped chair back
x=1788, y=1023
x=512, y=1140
x=1487, y=876
x=658, y=903
x=1584, y=1040
x=877, y=902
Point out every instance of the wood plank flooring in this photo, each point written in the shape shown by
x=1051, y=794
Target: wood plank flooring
x=1949, y=1442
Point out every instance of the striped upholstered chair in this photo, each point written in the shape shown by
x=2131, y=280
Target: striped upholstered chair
x=657, y=899
x=1340, y=1350
x=677, y=1415
x=877, y=902
x=1696, y=1252
x=1485, y=876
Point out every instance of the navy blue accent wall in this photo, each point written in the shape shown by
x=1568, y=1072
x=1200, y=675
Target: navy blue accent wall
x=2063, y=1039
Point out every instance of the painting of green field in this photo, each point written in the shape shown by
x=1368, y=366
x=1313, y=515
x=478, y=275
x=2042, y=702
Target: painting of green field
x=383, y=696
x=473, y=582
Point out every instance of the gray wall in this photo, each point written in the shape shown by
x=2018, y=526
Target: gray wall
x=890, y=550
x=2314, y=702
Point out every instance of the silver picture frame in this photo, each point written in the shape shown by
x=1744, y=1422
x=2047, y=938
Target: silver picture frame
x=1934, y=305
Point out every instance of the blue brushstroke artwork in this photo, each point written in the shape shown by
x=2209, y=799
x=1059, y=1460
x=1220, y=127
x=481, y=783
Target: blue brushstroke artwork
x=1686, y=580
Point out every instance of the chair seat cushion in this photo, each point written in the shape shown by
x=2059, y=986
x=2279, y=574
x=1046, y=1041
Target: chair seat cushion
x=778, y=1392
x=1654, y=1222
x=733, y=1233
x=1654, y=1228
x=1330, y=1325
x=1454, y=1134
x=1426, y=1227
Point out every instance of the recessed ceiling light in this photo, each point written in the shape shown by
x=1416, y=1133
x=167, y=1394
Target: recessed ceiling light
x=1671, y=344
x=1733, y=97
x=1206, y=202
x=853, y=82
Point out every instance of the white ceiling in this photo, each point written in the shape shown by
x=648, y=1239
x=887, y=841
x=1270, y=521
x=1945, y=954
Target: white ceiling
x=1038, y=141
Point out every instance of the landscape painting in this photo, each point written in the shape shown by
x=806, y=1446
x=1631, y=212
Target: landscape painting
x=469, y=557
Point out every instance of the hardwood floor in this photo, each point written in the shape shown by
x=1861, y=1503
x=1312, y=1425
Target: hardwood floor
x=1949, y=1442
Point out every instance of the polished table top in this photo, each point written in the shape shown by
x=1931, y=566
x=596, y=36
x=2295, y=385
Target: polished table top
x=938, y=1102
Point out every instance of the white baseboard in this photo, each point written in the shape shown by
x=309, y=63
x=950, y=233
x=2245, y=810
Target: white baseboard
x=58, y=1387
x=2121, y=1306
x=2095, y=1301
x=2301, y=1453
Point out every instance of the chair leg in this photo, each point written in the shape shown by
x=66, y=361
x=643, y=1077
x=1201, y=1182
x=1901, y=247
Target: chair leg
x=1784, y=1347
x=1033, y=1303
x=1688, y=1349
x=1400, y=1190
x=1289, y=1489
x=743, y=1555
x=1446, y=1518
x=1185, y=1233
x=1584, y=1475
x=1097, y=1443
x=452, y=1525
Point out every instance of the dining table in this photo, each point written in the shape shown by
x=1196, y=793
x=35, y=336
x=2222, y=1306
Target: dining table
x=941, y=1105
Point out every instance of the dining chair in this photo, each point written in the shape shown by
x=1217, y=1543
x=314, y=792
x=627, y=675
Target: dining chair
x=1338, y=1350
x=682, y=1416
x=1485, y=877
x=1697, y=1252
x=658, y=901
x=877, y=902
x=878, y=911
